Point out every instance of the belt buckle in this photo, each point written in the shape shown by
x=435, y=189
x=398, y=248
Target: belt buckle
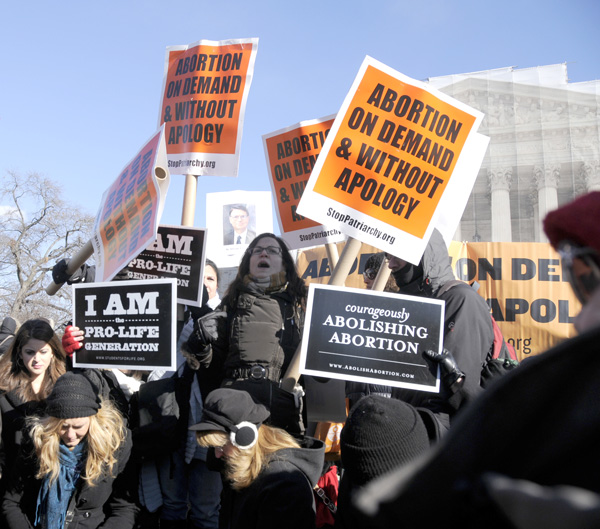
x=257, y=372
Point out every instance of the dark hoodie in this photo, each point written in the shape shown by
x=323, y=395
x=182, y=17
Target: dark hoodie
x=282, y=494
x=468, y=332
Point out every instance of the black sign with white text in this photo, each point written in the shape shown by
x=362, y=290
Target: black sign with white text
x=178, y=253
x=126, y=324
x=375, y=337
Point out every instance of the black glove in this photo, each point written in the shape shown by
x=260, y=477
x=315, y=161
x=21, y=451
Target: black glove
x=84, y=274
x=451, y=373
x=205, y=330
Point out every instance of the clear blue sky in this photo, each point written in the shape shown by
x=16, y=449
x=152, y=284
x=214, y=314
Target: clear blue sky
x=82, y=81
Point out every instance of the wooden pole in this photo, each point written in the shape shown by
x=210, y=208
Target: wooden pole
x=342, y=269
x=338, y=278
x=332, y=254
x=189, y=200
x=382, y=276
x=187, y=217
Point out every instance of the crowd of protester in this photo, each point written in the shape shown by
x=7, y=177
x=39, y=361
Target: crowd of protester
x=218, y=443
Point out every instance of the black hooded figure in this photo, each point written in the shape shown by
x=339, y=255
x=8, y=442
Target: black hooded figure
x=468, y=331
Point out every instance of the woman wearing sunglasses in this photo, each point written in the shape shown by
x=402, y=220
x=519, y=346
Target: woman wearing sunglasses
x=253, y=335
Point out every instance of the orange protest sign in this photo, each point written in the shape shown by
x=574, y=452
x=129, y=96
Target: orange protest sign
x=388, y=160
x=204, y=96
x=127, y=219
x=291, y=154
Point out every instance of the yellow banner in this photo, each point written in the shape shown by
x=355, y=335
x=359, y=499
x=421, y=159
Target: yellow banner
x=523, y=283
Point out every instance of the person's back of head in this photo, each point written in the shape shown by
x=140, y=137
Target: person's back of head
x=380, y=434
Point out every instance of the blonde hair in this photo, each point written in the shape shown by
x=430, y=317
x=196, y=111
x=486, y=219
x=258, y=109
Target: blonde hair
x=106, y=434
x=243, y=466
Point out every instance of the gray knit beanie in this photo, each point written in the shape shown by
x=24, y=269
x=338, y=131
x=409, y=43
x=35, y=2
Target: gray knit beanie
x=380, y=434
x=73, y=396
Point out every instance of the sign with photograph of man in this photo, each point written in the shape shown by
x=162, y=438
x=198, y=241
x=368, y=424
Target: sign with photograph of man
x=369, y=336
x=239, y=230
x=233, y=219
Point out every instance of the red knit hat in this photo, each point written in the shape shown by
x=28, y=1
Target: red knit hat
x=578, y=222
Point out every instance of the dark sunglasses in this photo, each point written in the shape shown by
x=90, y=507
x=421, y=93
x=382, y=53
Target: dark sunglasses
x=370, y=273
x=581, y=267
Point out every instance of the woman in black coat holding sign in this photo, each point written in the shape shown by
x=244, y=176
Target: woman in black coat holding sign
x=253, y=335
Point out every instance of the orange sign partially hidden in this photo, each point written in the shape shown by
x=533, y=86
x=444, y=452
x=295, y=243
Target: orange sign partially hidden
x=291, y=154
x=204, y=97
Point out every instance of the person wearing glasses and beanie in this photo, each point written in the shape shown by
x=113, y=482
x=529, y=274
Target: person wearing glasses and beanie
x=252, y=336
x=525, y=453
x=270, y=474
x=76, y=474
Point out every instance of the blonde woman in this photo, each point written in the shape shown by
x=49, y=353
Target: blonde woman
x=270, y=474
x=28, y=371
x=78, y=475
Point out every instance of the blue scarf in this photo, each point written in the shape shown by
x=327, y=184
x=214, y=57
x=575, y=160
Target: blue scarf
x=53, y=499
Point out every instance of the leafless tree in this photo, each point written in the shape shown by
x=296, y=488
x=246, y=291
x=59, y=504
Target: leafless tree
x=38, y=228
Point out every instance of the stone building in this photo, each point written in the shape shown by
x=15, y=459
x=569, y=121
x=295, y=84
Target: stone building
x=544, y=148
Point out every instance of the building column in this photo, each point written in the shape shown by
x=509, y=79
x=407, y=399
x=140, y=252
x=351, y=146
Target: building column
x=591, y=175
x=546, y=178
x=500, y=179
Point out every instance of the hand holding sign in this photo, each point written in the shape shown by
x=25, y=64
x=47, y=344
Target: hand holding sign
x=206, y=327
x=451, y=373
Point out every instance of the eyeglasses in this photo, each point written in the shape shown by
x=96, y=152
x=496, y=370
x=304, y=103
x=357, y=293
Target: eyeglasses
x=581, y=269
x=271, y=250
x=238, y=217
x=370, y=274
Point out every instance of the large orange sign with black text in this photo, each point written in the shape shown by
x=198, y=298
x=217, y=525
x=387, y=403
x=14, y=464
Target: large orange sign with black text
x=205, y=89
x=389, y=159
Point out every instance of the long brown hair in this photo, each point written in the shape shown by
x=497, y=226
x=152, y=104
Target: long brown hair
x=14, y=375
x=296, y=286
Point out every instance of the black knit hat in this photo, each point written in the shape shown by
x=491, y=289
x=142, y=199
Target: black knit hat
x=73, y=396
x=380, y=434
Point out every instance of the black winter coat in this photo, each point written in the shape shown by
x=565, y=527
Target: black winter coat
x=262, y=330
x=108, y=504
x=281, y=495
x=14, y=411
x=540, y=423
x=468, y=331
